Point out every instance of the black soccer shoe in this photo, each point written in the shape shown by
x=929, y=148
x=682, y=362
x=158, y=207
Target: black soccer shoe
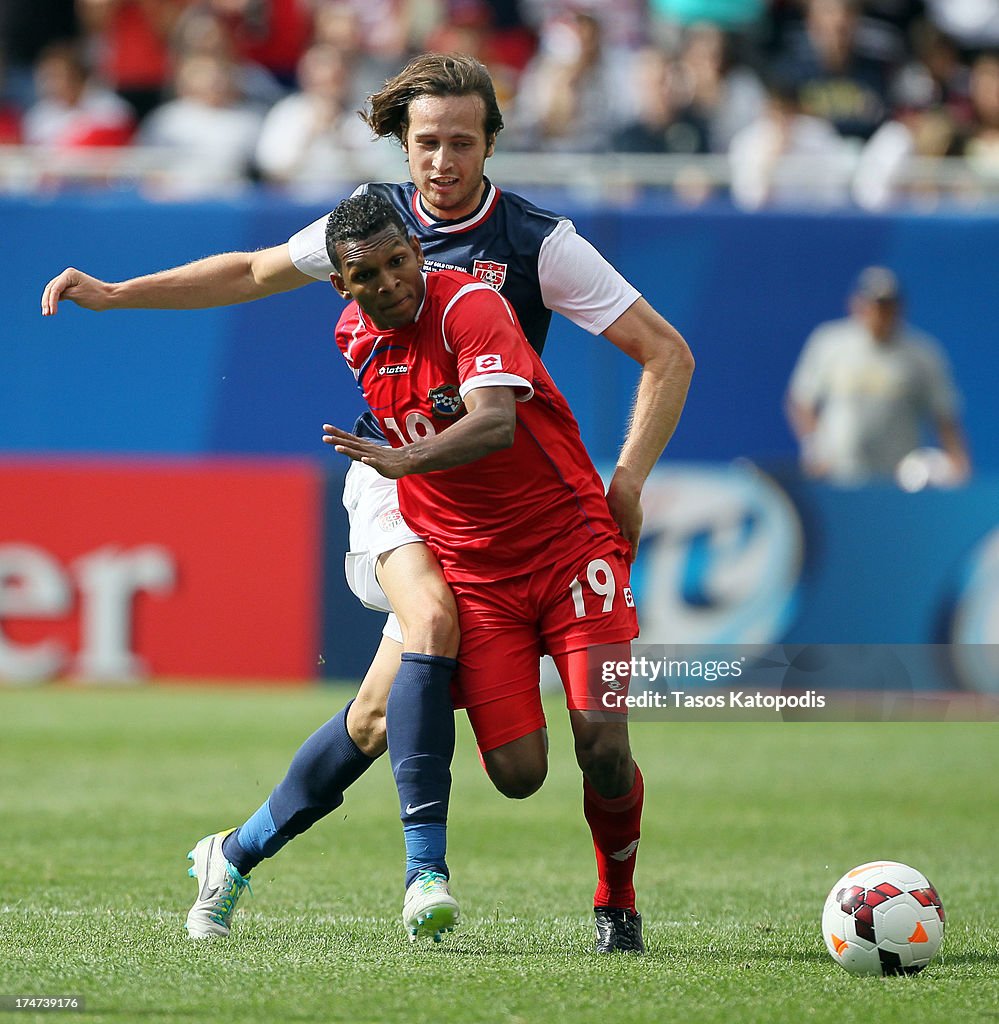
x=618, y=931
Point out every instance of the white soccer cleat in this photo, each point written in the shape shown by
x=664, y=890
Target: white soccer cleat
x=429, y=909
x=221, y=887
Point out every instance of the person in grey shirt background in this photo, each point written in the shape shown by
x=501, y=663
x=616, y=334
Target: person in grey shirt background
x=866, y=388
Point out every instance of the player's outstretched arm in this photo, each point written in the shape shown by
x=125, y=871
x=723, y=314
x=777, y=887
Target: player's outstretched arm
x=222, y=280
x=488, y=427
x=667, y=366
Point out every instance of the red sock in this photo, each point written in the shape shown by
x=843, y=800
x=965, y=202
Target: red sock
x=616, y=826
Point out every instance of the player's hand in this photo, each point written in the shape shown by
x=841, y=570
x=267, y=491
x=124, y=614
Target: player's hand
x=390, y=462
x=624, y=498
x=73, y=284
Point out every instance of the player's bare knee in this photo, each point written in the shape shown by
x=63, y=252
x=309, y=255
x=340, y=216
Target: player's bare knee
x=441, y=626
x=519, y=782
x=366, y=727
x=515, y=775
x=434, y=628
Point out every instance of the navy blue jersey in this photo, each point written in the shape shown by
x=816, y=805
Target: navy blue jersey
x=498, y=243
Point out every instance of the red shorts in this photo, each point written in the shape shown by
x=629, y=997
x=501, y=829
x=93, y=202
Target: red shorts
x=507, y=625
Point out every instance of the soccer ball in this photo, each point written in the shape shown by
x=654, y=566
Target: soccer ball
x=883, y=918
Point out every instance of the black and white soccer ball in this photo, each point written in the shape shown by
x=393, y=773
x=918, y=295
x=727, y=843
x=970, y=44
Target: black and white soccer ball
x=883, y=918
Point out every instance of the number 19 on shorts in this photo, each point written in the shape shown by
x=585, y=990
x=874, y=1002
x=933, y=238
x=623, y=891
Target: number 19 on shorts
x=597, y=586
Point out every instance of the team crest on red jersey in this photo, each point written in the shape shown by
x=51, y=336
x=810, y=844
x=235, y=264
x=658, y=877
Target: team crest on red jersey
x=445, y=400
x=493, y=274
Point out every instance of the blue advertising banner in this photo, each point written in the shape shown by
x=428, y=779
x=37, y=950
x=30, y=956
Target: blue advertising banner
x=734, y=556
x=745, y=289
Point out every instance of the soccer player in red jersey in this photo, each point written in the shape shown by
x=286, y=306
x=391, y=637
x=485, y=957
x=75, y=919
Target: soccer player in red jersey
x=443, y=111
x=493, y=475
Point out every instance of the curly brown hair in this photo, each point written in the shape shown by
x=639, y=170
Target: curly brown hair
x=431, y=74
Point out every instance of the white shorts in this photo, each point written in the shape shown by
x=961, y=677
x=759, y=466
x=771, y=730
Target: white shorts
x=376, y=526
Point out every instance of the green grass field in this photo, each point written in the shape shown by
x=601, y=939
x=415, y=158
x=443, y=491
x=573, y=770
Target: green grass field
x=746, y=828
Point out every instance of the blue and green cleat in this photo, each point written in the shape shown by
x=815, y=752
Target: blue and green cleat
x=429, y=909
x=221, y=887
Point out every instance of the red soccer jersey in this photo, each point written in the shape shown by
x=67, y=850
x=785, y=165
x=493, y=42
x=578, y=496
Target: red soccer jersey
x=532, y=505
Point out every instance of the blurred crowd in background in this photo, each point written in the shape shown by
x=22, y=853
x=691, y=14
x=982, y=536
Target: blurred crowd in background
x=816, y=101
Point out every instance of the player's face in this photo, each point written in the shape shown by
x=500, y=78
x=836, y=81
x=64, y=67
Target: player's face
x=383, y=276
x=447, y=148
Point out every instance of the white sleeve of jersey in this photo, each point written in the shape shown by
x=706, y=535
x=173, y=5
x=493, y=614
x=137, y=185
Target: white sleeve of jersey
x=307, y=247
x=523, y=387
x=579, y=283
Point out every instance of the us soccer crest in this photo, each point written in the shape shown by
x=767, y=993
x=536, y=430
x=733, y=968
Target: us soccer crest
x=445, y=400
x=493, y=274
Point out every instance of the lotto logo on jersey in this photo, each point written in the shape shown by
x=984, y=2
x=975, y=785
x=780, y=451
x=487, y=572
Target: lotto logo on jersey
x=393, y=370
x=493, y=274
x=629, y=598
x=488, y=364
x=445, y=400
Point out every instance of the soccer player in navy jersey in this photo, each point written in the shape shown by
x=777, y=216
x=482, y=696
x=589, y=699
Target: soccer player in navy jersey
x=444, y=112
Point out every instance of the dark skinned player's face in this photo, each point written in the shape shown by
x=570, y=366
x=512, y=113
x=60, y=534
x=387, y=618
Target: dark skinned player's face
x=382, y=274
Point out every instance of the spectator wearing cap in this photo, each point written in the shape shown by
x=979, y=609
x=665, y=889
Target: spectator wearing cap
x=866, y=389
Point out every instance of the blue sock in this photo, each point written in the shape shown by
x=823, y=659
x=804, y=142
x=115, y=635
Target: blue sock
x=323, y=767
x=255, y=839
x=420, y=725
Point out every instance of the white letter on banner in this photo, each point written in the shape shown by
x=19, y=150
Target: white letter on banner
x=32, y=586
x=109, y=579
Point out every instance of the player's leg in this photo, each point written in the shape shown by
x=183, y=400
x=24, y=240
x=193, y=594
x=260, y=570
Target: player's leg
x=323, y=767
x=342, y=749
x=419, y=719
x=517, y=767
x=589, y=623
x=427, y=624
x=613, y=800
x=497, y=682
x=339, y=752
